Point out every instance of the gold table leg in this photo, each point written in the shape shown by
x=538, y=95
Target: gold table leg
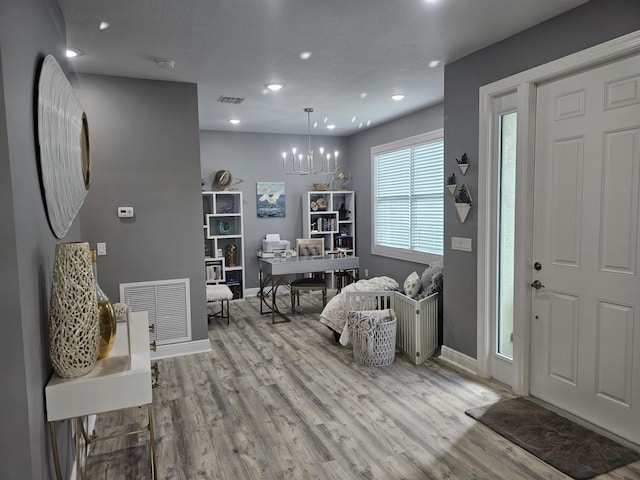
x=54, y=448
x=82, y=456
x=275, y=283
x=265, y=293
x=152, y=442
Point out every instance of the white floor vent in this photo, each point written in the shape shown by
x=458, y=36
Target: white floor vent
x=168, y=305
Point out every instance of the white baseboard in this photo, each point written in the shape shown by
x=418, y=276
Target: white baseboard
x=184, y=348
x=253, y=292
x=459, y=359
x=282, y=290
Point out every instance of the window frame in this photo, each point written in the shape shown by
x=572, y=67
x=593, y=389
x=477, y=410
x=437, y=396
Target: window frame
x=402, y=253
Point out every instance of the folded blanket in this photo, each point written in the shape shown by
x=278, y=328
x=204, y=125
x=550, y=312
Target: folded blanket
x=365, y=322
x=334, y=314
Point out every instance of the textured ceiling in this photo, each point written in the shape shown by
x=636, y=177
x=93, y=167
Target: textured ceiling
x=235, y=47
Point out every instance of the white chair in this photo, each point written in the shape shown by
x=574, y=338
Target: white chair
x=218, y=293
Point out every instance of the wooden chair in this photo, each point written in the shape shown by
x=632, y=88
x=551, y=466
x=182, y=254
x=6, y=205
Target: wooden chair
x=308, y=247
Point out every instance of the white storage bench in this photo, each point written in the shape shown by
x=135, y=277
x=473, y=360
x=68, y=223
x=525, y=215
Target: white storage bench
x=417, y=327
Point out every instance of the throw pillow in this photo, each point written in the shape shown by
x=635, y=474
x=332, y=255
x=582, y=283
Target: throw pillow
x=427, y=276
x=412, y=285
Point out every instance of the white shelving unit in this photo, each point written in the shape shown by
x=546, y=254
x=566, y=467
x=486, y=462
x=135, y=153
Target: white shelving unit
x=224, y=239
x=336, y=223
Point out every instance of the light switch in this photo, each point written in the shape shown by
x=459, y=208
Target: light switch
x=102, y=248
x=459, y=243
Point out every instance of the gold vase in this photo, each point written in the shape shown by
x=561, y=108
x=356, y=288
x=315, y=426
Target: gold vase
x=106, y=314
x=231, y=255
x=73, y=312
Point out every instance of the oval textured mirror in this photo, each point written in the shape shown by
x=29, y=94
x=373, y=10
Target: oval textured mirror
x=63, y=135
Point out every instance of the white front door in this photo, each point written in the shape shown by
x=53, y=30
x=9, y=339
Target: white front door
x=585, y=330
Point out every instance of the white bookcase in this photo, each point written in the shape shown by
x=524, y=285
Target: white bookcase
x=224, y=240
x=331, y=215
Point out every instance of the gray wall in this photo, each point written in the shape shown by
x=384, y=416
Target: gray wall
x=257, y=157
x=583, y=27
x=145, y=154
x=29, y=29
x=166, y=193
x=360, y=145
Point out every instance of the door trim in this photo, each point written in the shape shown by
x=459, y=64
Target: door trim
x=525, y=85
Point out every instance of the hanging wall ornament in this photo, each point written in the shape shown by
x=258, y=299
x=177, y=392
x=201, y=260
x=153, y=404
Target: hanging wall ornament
x=63, y=135
x=74, y=333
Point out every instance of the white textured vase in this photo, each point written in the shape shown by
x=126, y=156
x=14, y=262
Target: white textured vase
x=74, y=332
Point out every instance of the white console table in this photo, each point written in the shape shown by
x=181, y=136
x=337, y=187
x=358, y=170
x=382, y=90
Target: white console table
x=120, y=380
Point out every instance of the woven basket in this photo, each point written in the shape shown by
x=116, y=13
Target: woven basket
x=378, y=349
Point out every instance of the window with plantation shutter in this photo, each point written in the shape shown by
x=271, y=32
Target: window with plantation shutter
x=408, y=198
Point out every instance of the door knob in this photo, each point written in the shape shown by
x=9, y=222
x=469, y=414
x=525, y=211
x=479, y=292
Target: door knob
x=537, y=266
x=537, y=284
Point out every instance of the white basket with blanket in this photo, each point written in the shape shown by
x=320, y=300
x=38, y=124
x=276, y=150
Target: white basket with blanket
x=417, y=320
x=373, y=336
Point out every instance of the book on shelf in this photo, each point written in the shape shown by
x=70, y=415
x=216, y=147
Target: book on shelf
x=344, y=241
x=214, y=273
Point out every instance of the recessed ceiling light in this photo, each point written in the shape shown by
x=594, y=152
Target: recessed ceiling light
x=234, y=121
x=315, y=124
x=305, y=55
x=368, y=123
x=166, y=63
x=353, y=119
x=331, y=126
x=104, y=25
x=72, y=52
x=434, y=63
x=397, y=97
x=274, y=87
x=363, y=95
x=360, y=126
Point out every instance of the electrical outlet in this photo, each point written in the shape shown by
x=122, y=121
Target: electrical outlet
x=366, y=273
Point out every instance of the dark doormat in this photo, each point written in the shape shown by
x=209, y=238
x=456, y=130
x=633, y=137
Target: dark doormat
x=563, y=444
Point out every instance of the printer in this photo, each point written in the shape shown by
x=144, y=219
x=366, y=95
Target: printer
x=272, y=243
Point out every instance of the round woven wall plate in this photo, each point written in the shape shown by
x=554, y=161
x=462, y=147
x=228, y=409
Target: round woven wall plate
x=63, y=135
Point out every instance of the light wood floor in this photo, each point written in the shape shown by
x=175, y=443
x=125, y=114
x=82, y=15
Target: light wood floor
x=286, y=401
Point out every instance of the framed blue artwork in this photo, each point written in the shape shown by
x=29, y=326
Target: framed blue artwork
x=271, y=199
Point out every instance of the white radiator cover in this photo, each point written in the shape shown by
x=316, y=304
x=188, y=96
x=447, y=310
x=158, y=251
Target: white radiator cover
x=168, y=304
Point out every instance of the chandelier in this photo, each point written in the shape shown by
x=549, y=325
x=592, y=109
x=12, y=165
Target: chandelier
x=300, y=164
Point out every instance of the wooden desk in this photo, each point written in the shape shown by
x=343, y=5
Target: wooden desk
x=121, y=380
x=277, y=271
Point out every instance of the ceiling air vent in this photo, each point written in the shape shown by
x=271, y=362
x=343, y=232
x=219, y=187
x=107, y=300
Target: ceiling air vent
x=233, y=100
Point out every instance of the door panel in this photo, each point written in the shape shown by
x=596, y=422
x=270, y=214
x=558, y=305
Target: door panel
x=585, y=344
x=563, y=329
x=566, y=196
x=619, y=203
x=615, y=352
